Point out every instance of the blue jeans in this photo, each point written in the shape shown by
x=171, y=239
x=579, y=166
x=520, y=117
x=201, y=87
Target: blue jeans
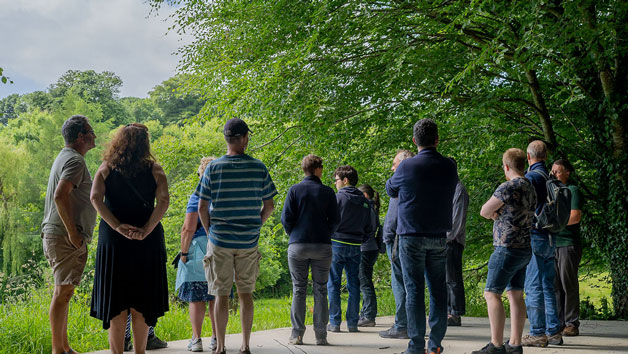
x=539, y=287
x=345, y=257
x=398, y=288
x=424, y=258
x=507, y=269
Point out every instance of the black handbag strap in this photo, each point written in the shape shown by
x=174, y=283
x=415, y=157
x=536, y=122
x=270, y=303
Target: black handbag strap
x=145, y=204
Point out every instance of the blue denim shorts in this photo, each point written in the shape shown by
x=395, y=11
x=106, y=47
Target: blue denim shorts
x=507, y=269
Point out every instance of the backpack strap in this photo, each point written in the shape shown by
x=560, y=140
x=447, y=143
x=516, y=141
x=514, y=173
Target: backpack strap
x=540, y=173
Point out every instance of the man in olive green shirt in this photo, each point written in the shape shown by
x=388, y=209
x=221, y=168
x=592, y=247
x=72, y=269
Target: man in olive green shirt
x=69, y=220
x=568, y=255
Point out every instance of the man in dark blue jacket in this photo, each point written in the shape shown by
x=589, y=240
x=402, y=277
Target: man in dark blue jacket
x=399, y=328
x=310, y=216
x=425, y=186
x=539, y=285
x=355, y=224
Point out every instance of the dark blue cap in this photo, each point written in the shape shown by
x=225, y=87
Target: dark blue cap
x=236, y=127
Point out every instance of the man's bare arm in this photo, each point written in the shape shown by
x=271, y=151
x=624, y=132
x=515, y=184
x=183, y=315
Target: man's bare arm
x=267, y=209
x=203, y=213
x=62, y=201
x=574, y=217
x=490, y=208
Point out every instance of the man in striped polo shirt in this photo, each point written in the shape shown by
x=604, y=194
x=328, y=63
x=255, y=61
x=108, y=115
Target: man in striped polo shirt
x=241, y=193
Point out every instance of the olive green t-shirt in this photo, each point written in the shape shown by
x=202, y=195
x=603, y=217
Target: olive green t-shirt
x=571, y=234
x=70, y=165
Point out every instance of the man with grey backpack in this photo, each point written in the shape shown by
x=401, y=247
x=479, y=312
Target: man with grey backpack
x=541, y=303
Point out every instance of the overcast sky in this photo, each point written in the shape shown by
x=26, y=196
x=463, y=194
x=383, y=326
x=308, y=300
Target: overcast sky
x=42, y=39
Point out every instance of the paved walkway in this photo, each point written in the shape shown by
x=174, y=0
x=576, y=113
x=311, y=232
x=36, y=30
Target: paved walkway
x=596, y=336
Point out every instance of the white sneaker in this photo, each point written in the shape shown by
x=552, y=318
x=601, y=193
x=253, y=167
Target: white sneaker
x=195, y=345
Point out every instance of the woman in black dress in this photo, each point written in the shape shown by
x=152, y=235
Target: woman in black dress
x=131, y=255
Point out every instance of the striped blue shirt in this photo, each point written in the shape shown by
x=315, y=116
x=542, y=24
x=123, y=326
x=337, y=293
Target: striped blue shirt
x=235, y=185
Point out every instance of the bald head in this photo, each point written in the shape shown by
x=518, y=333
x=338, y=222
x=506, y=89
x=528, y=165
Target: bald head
x=537, y=151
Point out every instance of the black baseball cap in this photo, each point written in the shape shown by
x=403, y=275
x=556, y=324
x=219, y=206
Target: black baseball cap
x=236, y=127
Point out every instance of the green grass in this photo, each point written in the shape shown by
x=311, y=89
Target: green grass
x=596, y=287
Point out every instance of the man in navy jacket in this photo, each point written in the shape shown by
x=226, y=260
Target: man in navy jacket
x=310, y=216
x=355, y=225
x=425, y=185
x=540, y=300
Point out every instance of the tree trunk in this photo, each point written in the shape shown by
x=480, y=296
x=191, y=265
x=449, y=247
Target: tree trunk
x=541, y=109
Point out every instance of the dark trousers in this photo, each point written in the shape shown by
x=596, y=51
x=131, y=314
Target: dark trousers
x=455, y=283
x=566, y=285
x=301, y=258
x=369, y=299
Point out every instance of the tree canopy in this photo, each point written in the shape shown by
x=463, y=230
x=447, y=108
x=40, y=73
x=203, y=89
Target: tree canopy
x=352, y=77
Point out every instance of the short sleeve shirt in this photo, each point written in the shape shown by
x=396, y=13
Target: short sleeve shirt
x=571, y=234
x=70, y=166
x=514, y=223
x=236, y=186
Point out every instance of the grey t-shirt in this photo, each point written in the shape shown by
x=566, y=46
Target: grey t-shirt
x=70, y=165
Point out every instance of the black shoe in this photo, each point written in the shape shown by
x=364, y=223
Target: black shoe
x=395, y=333
x=155, y=343
x=490, y=348
x=513, y=349
x=128, y=344
x=454, y=321
x=352, y=329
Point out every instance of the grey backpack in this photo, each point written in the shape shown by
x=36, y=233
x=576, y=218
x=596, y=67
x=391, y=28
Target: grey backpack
x=555, y=213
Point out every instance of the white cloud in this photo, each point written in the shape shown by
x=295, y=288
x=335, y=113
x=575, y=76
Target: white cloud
x=42, y=39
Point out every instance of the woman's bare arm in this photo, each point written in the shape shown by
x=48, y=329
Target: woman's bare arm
x=187, y=233
x=163, y=200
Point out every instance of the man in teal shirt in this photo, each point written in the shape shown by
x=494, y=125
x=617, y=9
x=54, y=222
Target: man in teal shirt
x=568, y=255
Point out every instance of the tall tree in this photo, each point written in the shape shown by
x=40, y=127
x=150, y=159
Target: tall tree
x=176, y=99
x=496, y=74
x=102, y=88
x=10, y=107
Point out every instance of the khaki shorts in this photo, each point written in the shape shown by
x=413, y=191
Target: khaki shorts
x=221, y=264
x=66, y=261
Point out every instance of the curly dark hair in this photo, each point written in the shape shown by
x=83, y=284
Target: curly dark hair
x=129, y=150
x=349, y=172
x=425, y=132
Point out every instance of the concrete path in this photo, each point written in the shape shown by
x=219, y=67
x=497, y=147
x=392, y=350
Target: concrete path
x=596, y=336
